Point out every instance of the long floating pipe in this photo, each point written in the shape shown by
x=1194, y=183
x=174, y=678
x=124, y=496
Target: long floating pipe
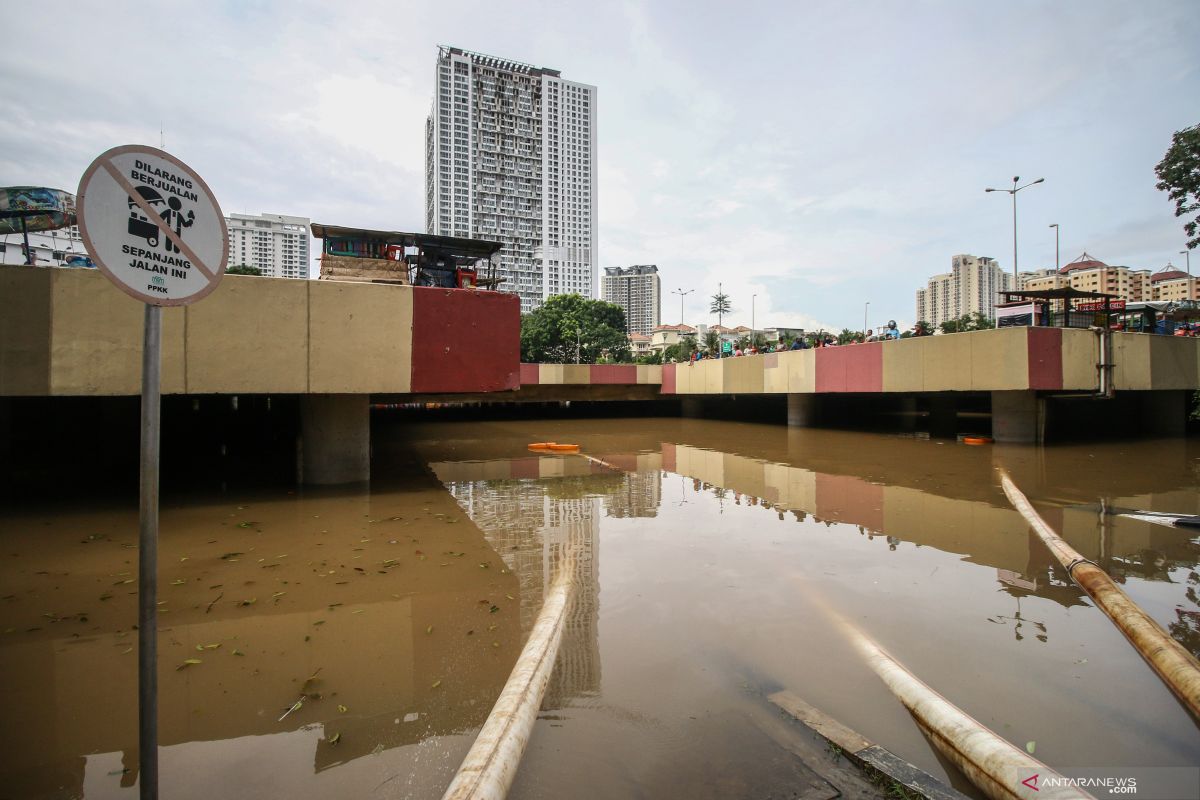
x=994, y=765
x=1177, y=667
x=488, y=770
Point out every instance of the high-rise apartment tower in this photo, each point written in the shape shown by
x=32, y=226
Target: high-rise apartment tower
x=638, y=291
x=510, y=156
x=275, y=243
x=972, y=285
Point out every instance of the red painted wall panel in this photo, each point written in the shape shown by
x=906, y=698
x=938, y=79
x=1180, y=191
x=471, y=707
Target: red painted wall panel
x=1045, y=358
x=525, y=468
x=668, y=451
x=844, y=498
x=668, y=379
x=530, y=374
x=850, y=368
x=614, y=373
x=465, y=340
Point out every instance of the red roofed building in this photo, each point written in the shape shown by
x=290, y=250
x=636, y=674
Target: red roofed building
x=663, y=336
x=1090, y=274
x=1170, y=283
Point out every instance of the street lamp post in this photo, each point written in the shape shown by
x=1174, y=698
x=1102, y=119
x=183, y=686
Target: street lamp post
x=866, y=307
x=1188, y=255
x=682, y=294
x=1055, y=226
x=1013, y=191
x=752, y=327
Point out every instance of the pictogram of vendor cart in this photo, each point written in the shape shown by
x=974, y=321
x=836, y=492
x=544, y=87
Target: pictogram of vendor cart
x=139, y=225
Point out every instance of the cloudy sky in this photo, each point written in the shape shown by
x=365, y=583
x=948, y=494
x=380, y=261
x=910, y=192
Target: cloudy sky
x=819, y=155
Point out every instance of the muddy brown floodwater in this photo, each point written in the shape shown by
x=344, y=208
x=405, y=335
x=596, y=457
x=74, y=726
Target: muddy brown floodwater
x=709, y=550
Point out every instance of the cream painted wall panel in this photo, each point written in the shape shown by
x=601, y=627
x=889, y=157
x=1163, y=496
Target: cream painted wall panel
x=744, y=474
x=801, y=368
x=550, y=374
x=25, y=331
x=1080, y=354
x=577, y=374
x=96, y=337
x=1131, y=360
x=250, y=335
x=775, y=379
x=775, y=476
x=903, y=366
x=550, y=467
x=999, y=359
x=1173, y=362
x=946, y=362
x=650, y=374
x=360, y=337
x=984, y=534
x=714, y=376
x=649, y=461
x=743, y=375
x=801, y=489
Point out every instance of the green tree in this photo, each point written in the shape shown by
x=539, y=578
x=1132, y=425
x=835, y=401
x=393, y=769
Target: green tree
x=847, y=336
x=653, y=357
x=569, y=328
x=981, y=322
x=680, y=352
x=243, y=269
x=950, y=325
x=712, y=342
x=1179, y=176
x=759, y=341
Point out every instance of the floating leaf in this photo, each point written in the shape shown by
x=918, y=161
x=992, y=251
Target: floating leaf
x=429, y=629
x=1031, y=746
x=187, y=662
x=247, y=524
x=435, y=684
x=493, y=609
x=342, y=709
x=212, y=646
x=180, y=582
x=510, y=597
x=495, y=644
x=337, y=737
x=237, y=652
x=249, y=602
x=493, y=626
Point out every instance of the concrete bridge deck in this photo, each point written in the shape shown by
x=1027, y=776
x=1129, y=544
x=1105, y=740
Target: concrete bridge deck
x=70, y=333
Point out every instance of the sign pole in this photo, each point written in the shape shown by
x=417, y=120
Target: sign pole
x=148, y=557
x=157, y=232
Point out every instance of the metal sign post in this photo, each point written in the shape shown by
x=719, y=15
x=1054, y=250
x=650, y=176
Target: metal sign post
x=134, y=205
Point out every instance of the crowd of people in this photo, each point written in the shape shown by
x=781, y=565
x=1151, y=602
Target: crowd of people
x=809, y=341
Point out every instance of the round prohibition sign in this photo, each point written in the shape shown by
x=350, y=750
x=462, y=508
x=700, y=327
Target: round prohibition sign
x=152, y=225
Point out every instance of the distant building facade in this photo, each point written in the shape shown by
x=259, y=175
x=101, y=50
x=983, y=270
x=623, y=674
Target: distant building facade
x=663, y=336
x=638, y=291
x=510, y=156
x=277, y=244
x=1171, y=284
x=972, y=286
x=50, y=248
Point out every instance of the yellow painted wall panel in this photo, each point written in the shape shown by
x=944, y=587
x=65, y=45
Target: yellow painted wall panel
x=801, y=368
x=550, y=374
x=903, y=366
x=250, y=335
x=1080, y=354
x=577, y=374
x=999, y=359
x=743, y=375
x=775, y=379
x=649, y=374
x=24, y=331
x=1131, y=360
x=945, y=362
x=96, y=337
x=1173, y=362
x=714, y=376
x=360, y=337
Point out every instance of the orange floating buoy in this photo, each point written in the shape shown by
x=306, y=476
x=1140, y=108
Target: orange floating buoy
x=541, y=445
x=565, y=448
x=977, y=440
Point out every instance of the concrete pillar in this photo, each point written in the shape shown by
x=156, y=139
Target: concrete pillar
x=804, y=410
x=943, y=416
x=1165, y=413
x=335, y=432
x=907, y=413
x=693, y=407
x=1018, y=417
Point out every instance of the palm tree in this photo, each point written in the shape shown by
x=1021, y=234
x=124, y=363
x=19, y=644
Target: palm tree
x=720, y=305
x=712, y=342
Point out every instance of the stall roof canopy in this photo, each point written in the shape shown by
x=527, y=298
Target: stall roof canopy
x=1064, y=293
x=455, y=245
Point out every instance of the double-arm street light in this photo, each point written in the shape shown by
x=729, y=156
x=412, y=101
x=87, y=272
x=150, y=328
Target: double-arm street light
x=682, y=294
x=1013, y=191
x=1055, y=226
x=1187, y=254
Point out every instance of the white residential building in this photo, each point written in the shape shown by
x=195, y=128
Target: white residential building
x=50, y=248
x=275, y=243
x=972, y=285
x=510, y=156
x=638, y=291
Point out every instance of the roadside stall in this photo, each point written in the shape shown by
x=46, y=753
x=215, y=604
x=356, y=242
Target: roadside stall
x=1056, y=308
x=414, y=259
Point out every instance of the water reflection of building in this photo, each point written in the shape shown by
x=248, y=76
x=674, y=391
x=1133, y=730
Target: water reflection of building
x=639, y=496
x=534, y=524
